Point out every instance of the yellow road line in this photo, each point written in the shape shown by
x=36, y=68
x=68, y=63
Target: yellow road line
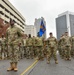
x=29, y=67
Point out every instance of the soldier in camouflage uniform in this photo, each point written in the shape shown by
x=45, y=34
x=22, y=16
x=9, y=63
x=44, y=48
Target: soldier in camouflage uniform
x=52, y=48
x=21, y=48
x=67, y=46
x=72, y=46
x=13, y=35
x=3, y=47
x=39, y=47
x=29, y=44
x=25, y=47
x=34, y=47
x=45, y=47
x=61, y=46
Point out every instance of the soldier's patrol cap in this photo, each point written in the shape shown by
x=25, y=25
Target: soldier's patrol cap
x=50, y=33
x=66, y=32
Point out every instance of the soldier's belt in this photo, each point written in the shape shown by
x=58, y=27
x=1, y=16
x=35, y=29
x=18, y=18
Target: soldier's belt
x=12, y=44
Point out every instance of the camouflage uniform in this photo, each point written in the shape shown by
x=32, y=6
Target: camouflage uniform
x=29, y=44
x=67, y=47
x=39, y=47
x=3, y=47
x=45, y=47
x=25, y=47
x=61, y=44
x=72, y=46
x=21, y=49
x=52, y=48
x=59, y=47
x=13, y=35
x=34, y=47
x=13, y=41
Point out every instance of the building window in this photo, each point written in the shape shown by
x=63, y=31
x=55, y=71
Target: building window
x=1, y=6
x=6, y=16
x=6, y=10
x=1, y=12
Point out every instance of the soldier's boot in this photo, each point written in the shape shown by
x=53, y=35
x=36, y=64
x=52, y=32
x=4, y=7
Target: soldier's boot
x=11, y=66
x=48, y=62
x=42, y=58
x=56, y=62
x=65, y=58
x=37, y=58
x=69, y=58
x=15, y=67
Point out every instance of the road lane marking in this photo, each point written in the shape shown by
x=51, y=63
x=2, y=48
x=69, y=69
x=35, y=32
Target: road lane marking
x=29, y=67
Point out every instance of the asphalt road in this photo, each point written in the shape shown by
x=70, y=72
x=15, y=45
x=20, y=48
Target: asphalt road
x=63, y=68
x=22, y=66
x=32, y=67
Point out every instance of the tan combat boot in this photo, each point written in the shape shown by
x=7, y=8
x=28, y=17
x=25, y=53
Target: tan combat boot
x=56, y=62
x=15, y=67
x=11, y=66
x=42, y=59
x=69, y=59
x=65, y=58
x=48, y=62
x=37, y=58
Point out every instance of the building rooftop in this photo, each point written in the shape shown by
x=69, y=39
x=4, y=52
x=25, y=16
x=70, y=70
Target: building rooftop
x=65, y=13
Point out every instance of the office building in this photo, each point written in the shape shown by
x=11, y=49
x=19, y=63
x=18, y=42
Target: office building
x=65, y=22
x=30, y=29
x=7, y=11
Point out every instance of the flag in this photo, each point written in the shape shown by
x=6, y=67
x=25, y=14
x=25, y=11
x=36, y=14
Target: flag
x=42, y=28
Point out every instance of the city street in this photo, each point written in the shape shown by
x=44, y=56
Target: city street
x=31, y=28
x=34, y=67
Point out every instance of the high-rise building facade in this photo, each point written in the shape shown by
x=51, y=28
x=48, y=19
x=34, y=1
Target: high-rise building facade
x=65, y=22
x=30, y=29
x=7, y=11
x=37, y=24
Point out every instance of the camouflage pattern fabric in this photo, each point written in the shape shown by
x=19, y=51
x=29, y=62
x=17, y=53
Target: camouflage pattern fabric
x=67, y=47
x=52, y=48
x=29, y=44
x=39, y=47
x=13, y=35
x=72, y=46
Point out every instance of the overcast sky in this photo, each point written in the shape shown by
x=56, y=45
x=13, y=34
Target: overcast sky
x=49, y=9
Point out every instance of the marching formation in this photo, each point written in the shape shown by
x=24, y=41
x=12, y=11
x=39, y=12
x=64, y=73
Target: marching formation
x=14, y=47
